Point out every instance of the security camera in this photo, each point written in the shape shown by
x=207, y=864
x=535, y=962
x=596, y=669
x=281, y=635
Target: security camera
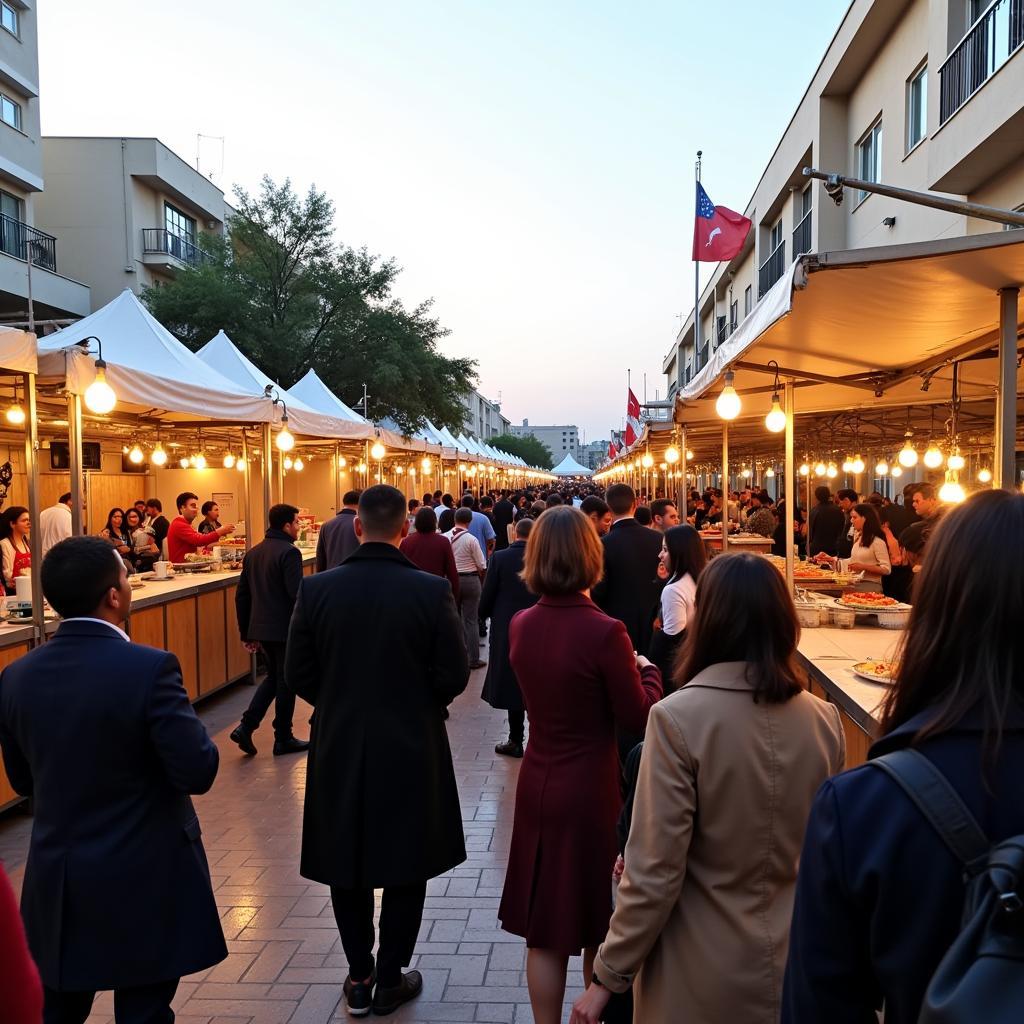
x=834, y=189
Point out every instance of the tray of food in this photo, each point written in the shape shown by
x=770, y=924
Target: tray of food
x=193, y=563
x=870, y=602
x=877, y=671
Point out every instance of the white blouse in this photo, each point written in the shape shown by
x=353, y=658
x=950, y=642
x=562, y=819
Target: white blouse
x=677, y=605
x=875, y=554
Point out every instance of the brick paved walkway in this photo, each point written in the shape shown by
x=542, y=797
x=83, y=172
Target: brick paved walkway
x=285, y=964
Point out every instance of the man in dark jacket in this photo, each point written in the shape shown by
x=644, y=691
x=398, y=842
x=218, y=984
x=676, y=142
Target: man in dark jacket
x=504, y=514
x=503, y=595
x=271, y=574
x=99, y=732
x=824, y=522
x=376, y=646
x=846, y=498
x=337, y=538
x=630, y=590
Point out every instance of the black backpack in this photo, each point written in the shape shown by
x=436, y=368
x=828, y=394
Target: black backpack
x=981, y=977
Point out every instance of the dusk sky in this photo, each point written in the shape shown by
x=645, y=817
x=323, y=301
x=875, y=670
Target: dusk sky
x=529, y=165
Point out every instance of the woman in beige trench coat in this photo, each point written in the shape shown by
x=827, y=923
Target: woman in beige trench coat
x=730, y=766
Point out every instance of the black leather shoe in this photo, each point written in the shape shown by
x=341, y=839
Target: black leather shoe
x=243, y=737
x=387, y=1000
x=290, y=746
x=358, y=996
x=509, y=749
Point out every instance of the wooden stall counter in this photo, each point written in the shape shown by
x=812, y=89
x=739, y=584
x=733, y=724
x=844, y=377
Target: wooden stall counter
x=15, y=640
x=829, y=654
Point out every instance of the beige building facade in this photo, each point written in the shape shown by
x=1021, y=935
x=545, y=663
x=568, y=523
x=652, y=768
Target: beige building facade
x=130, y=213
x=921, y=94
x=483, y=417
x=55, y=293
x=561, y=439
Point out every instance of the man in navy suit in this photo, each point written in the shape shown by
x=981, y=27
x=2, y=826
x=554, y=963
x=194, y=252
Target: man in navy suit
x=99, y=732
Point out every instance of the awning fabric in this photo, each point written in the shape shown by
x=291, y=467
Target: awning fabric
x=312, y=391
x=18, y=351
x=570, y=467
x=148, y=368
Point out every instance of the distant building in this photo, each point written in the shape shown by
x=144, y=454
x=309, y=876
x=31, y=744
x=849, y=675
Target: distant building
x=560, y=439
x=483, y=417
x=593, y=454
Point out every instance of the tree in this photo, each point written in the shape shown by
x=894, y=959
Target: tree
x=528, y=448
x=291, y=299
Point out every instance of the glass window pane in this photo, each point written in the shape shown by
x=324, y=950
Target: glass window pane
x=9, y=18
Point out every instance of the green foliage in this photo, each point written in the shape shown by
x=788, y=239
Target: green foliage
x=292, y=298
x=528, y=448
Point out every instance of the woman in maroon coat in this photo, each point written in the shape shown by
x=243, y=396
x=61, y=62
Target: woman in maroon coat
x=580, y=678
x=429, y=550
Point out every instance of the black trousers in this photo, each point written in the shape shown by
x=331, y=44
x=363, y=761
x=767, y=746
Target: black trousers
x=516, y=726
x=401, y=911
x=146, y=1004
x=272, y=689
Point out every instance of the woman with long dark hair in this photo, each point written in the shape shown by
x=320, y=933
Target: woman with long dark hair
x=702, y=916
x=880, y=897
x=683, y=558
x=116, y=532
x=15, y=526
x=869, y=554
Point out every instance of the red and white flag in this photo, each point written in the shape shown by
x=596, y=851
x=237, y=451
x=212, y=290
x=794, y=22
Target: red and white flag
x=718, y=232
x=633, y=429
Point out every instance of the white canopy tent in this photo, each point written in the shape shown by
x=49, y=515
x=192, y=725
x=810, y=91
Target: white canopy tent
x=570, y=467
x=18, y=351
x=312, y=391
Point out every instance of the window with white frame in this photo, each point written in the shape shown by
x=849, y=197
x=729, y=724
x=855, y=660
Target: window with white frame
x=869, y=156
x=775, y=239
x=917, y=107
x=748, y=299
x=10, y=111
x=9, y=17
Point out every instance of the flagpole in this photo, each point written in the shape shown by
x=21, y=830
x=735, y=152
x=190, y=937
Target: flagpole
x=696, y=291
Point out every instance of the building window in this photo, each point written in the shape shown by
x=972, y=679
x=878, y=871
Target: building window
x=9, y=17
x=802, y=223
x=775, y=238
x=748, y=299
x=179, y=224
x=10, y=111
x=869, y=157
x=917, y=107
x=734, y=315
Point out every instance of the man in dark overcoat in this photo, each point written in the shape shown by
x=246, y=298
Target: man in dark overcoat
x=503, y=595
x=376, y=646
x=504, y=515
x=99, y=732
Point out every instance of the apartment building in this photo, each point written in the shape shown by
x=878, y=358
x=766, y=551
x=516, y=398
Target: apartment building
x=560, y=439
x=483, y=417
x=54, y=294
x=594, y=454
x=922, y=94
x=130, y=213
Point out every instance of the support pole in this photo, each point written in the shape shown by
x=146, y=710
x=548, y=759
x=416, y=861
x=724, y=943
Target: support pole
x=32, y=475
x=790, y=488
x=247, y=490
x=268, y=469
x=682, y=491
x=1006, y=401
x=725, y=486
x=75, y=463
x=337, y=479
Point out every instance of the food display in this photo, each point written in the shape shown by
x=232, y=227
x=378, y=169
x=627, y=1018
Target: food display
x=809, y=572
x=868, y=602
x=877, y=671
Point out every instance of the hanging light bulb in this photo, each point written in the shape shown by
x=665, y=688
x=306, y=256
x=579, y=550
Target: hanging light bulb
x=199, y=461
x=775, y=421
x=378, y=451
x=399, y=470
x=956, y=461
x=159, y=456
x=184, y=463
x=805, y=470
x=857, y=465
x=342, y=462
x=951, y=491
x=933, y=456
x=99, y=395
x=299, y=465
x=647, y=461
x=908, y=453
x=985, y=475
x=425, y=465
x=412, y=472
x=882, y=468
x=229, y=461
x=135, y=456
x=745, y=474
x=361, y=468
x=240, y=465
x=287, y=462
x=847, y=466
x=896, y=471
x=672, y=455
x=728, y=404
x=831, y=472
x=285, y=441
x=769, y=472
x=820, y=469
x=689, y=455
x=16, y=415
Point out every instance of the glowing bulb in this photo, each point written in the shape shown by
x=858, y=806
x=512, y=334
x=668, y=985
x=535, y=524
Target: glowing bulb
x=831, y=472
x=229, y=461
x=933, y=457
x=745, y=474
x=672, y=455
x=985, y=475
x=412, y=472
x=847, y=466
x=956, y=461
x=896, y=471
x=858, y=464
x=240, y=465
x=689, y=454
x=908, y=455
x=16, y=415
x=299, y=465
x=285, y=441
x=882, y=468
x=805, y=470
x=820, y=469
x=647, y=461
x=775, y=421
x=199, y=461
x=463, y=467
x=287, y=462
x=425, y=465
x=184, y=463
x=99, y=395
x=951, y=491
x=399, y=470
x=159, y=456
x=728, y=404
x=769, y=472
x=342, y=462
x=361, y=468
x=135, y=456
x=378, y=451
x=663, y=467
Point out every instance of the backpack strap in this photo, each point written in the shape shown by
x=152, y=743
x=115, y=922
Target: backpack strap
x=940, y=803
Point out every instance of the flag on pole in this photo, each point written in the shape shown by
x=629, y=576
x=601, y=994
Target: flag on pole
x=718, y=232
x=611, y=450
x=632, y=433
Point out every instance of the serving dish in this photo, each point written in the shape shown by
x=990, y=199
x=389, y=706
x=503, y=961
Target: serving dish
x=875, y=671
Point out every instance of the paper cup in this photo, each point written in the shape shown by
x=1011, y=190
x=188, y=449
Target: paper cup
x=160, y=570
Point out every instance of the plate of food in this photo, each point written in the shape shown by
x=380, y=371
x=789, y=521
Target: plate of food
x=870, y=602
x=873, y=671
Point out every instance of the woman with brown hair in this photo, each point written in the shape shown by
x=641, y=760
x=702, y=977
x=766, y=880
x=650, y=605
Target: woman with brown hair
x=702, y=916
x=869, y=555
x=880, y=898
x=580, y=679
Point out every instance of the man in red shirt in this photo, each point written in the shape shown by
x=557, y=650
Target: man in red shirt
x=181, y=538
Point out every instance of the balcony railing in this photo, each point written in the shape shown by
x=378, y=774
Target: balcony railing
x=160, y=240
x=997, y=34
x=802, y=235
x=21, y=240
x=771, y=270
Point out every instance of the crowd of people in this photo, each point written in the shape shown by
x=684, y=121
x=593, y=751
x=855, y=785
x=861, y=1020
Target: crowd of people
x=681, y=816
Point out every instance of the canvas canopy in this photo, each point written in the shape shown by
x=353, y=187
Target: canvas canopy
x=312, y=391
x=570, y=467
x=18, y=351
